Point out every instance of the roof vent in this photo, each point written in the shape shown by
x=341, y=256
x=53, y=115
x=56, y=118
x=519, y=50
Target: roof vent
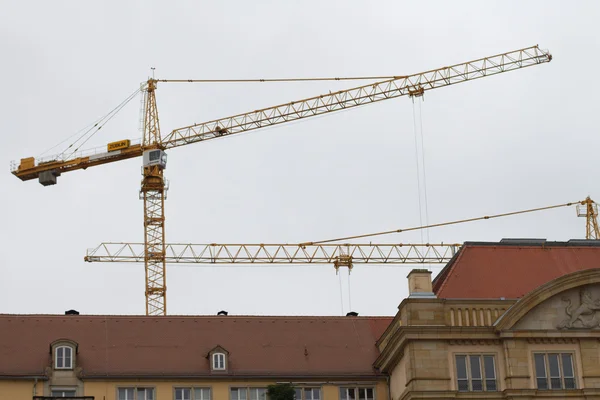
x=72, y=312
x=222, y=312
x=352, y=314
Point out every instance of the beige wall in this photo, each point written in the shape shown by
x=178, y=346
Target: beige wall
x=17, y=390
x=220, y=389
x=398, y=379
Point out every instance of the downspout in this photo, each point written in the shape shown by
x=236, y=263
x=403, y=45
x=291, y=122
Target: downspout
x=389, y=390
x=35, y=381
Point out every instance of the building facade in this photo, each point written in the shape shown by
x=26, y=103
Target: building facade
x=515, y=319
x=508, y=320
x=189, y=358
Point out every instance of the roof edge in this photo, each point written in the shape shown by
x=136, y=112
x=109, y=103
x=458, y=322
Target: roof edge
x=360, y=376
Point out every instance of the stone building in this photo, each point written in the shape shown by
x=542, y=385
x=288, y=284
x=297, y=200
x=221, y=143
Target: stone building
x=510, y=320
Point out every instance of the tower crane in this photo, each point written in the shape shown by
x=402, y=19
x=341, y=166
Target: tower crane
x=153, y=145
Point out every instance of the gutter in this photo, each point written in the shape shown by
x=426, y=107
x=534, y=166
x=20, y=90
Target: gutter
x=338, y=378
x=34, y=378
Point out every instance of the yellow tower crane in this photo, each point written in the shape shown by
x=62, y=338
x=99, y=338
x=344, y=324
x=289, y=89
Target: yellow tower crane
x=153, y=145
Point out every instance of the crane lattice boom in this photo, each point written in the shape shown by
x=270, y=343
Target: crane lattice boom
x=336, y=254
x=411, y=85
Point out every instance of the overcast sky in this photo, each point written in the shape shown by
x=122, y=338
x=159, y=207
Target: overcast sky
x=513, y=141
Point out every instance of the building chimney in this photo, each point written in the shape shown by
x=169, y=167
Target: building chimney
x=419, y=284
x=222, y=312
x=72, y=312
x=352, y=314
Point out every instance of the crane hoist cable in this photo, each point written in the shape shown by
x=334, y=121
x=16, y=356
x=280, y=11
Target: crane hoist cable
x=444, y=223
x=103, y=121
x=93, y=128
x=424, y=168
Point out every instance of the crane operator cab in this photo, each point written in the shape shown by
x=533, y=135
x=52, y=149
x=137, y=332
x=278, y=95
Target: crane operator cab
x=155, y=157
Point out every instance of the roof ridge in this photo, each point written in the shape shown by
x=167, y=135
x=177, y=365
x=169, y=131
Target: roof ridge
x=101, y=316
x=447, y=274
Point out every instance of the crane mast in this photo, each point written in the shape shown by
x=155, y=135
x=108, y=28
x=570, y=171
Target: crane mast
x=153, y=194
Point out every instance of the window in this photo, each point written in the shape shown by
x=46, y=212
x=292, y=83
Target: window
x=554, y=371
x=308, y=393
x=357, y=393
x=191, y=394
x=64, y=357
x=63, y=392
x=242, y=393
x=218, y=361
x=476, y=373
x=133, y=393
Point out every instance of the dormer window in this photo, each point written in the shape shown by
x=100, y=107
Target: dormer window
x=218, y=361
x=63, y=357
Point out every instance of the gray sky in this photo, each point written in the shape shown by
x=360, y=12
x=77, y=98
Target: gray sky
x=518, y=140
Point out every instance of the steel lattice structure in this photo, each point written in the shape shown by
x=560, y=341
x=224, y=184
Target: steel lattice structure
x=153, y=185
x=339, y=255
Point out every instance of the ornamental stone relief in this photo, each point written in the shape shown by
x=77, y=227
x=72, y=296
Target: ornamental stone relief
x=577, y=308
x=583, y=313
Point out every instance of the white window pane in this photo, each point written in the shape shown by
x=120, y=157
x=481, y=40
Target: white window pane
x=567, y=365
x=540, y=371
x=145, y=394
x=553, y=365
x=298, y=394
x=315, y=393
x=362, y=394
x=183, y=394
x=351, y=394
x=461, y=367
x=475, y=367
x=238, y=394
x=202, y=394
x=125, y=393
x=262, y=394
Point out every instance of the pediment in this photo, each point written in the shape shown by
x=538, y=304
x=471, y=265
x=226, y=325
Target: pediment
x=577, y=308
x=571, y=301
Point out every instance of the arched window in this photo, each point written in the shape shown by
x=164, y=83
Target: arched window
x=63, y=357
x=218, y=361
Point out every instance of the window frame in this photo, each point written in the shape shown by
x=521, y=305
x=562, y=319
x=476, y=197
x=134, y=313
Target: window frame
x=63, y=358
x=135, y=391
x=248, y=390
x=356, y=388
x=53, y=392
x=192, y=390
x=214, y=364
x=303, y=392
x=483, y=378
x=548, y=375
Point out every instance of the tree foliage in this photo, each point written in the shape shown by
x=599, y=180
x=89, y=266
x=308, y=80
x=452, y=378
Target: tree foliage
x=281, y=391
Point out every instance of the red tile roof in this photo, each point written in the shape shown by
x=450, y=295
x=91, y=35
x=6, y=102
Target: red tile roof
x=512, y=268
x=177, y=346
